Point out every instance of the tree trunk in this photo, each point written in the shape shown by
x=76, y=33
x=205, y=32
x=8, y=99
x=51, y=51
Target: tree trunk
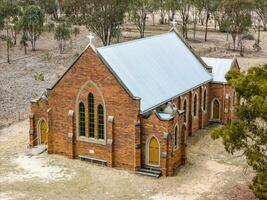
x=206, y=29
x=153, y=19
x=7, y=43
x=234, y=39
x=33, y=38
x=194, y=30
x=259, y=35
x=25, y=49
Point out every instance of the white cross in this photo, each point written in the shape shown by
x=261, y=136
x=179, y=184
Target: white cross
x=173, y=23
x=91, y=37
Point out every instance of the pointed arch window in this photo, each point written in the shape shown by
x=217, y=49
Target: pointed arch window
x=100, y=112
x=195, y=106
x=82, y=119
x=185, y=110
x=205, y=100
x=91, y=114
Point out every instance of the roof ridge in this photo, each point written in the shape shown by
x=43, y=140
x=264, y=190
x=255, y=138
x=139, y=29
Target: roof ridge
x=134, y=40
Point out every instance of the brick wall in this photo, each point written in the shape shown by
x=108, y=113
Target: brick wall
x=124, y=109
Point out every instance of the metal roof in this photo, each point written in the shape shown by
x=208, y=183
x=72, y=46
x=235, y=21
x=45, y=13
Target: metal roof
x=155, y=69
x=220, y=67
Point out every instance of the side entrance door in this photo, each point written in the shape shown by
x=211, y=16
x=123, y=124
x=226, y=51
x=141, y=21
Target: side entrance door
x=153, y=151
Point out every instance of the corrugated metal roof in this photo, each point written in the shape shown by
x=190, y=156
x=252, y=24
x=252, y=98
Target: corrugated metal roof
x=156, y=68
x=220, y=67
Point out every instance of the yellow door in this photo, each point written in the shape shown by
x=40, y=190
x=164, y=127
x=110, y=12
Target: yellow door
x=153, y=151
x=43, y=132
x=216, y=110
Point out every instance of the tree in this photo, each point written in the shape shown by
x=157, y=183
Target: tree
x=32, y=23
x=184, y=7
x=237, y=19
x=9, y=12
x=50, y=7
x=76, y=31
x=210, y=6
x=103, y=17
x=24, y=42
x=249, y=133
x=62, y=34
x=261, y=10
x=139, y=9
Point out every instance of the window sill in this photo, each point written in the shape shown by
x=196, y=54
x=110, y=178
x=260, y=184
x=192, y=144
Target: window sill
x=91, y=140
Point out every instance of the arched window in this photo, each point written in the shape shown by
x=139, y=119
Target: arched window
x=185, y=110
x=179, y=103
x=100, y=112
x=82, y=119
x=91, y=120
x=205, y=100
x=195, y=106
x=176, y=137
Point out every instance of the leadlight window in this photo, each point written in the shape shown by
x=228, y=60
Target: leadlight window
x=195, y=106
x=91, y=120
x=205, y=100
x=82, y=119
x=100, y=112
x=185, y=110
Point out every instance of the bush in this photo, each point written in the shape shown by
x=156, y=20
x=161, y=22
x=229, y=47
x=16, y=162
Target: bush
x=50, y=26
x=76, y=31
x=38, y=77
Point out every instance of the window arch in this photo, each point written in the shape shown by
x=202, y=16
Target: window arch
x=176, y=136
x=185, y=110
x=91, y=115
x=100, y=112
x=205, y=100
x=195, y=106
x=82, y=119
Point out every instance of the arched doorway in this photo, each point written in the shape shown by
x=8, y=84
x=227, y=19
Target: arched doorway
x=43, y=132
x=216, y=109
x=153, y=152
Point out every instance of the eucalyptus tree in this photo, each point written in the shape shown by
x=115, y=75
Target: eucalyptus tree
x=103, y=17
x=184, y=7
x=237, y=19
x=248, y=134
x=9, y=12
x=139, y=10
x=32, y=23
x=209, y=6
x=62, y=34
x=261, y=10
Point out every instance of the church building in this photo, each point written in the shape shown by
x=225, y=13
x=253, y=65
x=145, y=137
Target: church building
x=133, y=105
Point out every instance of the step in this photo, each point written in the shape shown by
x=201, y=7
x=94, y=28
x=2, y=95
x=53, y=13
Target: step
x=36, y=150
x=148, y=174
x=150, y=171
x=151, y=168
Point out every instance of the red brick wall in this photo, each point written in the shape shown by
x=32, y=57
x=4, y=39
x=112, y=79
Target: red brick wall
x=118, y=104
x=38, y=112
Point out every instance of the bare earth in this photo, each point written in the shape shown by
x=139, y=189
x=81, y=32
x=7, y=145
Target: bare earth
x=210, y=174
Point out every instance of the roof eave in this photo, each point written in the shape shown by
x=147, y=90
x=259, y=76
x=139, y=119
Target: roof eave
x=166, y=101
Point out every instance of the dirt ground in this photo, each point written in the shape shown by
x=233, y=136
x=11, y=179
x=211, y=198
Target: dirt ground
x=210, y=174
x=18, y=85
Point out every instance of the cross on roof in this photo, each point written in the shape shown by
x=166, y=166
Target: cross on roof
x=173, y=22
x=91, y=37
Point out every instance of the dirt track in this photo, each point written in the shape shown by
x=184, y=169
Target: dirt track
x=210, y=174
